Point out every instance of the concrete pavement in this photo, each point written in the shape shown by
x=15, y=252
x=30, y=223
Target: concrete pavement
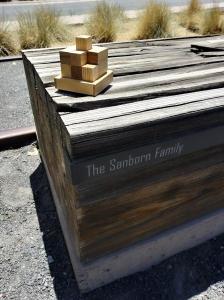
x=73, y=7
x=15, y=109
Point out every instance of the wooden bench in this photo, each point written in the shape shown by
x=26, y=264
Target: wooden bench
x=137, y=172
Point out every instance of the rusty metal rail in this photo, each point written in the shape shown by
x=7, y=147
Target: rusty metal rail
x=16, y=137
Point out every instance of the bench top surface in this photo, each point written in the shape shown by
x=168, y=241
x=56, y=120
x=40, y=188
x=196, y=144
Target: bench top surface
x=154, y=80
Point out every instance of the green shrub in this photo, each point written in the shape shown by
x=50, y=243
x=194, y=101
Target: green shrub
x=154, y=22
x=104, y=21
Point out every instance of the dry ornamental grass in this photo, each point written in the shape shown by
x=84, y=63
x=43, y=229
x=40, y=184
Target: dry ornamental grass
x=41, y=29
x=194, y=6
x=7, y=46
x=212, y=22
x=191, y=17
x=27, y=31
x=154, y=22
x=103, y=23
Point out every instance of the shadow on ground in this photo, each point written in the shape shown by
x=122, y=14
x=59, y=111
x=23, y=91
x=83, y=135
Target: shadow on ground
x=180, y=277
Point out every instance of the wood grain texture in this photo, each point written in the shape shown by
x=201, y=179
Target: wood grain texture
x=97, y=55
x=93, y=72
x=66, y=70
x=162, y=90
x=83, y=42
x=73, y=57
x=84, y=87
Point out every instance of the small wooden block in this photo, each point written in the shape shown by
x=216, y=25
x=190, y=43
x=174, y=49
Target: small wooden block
x=97, y=55
x=84, y=87
x=66, y=70
x=65, y=57
x=83, y=42
x=76, y=72
x=78, y=58
x=93, y=72
x=73, y=57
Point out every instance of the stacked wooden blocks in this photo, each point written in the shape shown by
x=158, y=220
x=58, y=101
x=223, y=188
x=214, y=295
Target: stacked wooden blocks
x=84, y=69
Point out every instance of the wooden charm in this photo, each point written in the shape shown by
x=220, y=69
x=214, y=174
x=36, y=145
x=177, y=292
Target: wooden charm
x=84, y=69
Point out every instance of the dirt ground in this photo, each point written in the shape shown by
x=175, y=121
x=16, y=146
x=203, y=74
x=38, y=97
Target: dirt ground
x=34, y=262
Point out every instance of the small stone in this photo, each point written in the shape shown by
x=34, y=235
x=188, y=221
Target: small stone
x=50, y=259
x=33, y=152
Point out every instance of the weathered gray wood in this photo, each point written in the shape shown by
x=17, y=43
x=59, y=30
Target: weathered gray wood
x=80, y=131
x=136, y=107
x=163, y=90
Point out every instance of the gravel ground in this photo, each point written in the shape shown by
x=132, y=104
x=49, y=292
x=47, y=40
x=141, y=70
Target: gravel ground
x=34, y=262
x=15, y=110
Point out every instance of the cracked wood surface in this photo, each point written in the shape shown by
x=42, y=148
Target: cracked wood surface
x=162, y=90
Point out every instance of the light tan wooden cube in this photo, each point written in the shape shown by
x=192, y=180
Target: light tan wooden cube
x=66, y=70
x=78, y=58
x=93, y=72
x=83, y=42
x=70, y=56
x=97, y=55
x=65, y=57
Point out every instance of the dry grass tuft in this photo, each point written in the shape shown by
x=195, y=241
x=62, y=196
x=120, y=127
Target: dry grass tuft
x=7, y=45
x=41, y=29
x=104, y=21
x=212, y=21
x=191, y=17
x=154, y=21
x=191, y=21
x=27, y=31
x=194, y=6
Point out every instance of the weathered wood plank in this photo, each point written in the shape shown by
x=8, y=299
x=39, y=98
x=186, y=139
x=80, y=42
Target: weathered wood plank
x=80, y=131
x=137, y=107
x=167, y=204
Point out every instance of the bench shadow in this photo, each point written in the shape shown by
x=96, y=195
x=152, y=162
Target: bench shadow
x=178, y=278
